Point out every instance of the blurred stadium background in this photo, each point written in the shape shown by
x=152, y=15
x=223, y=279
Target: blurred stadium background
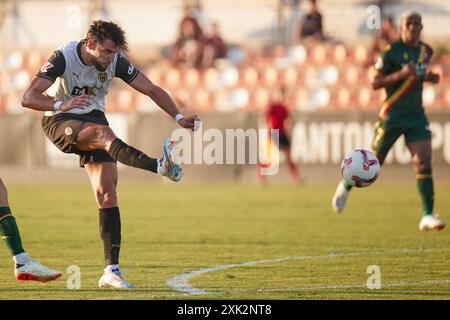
x=229, y=84
x=229, y=78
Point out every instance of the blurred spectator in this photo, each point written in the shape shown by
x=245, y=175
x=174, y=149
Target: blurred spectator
x=278, y=118
x=213, y=46
x=288, y=16
x=387, y=34
x=310, y=26
x=196, y=11
x=190, y=19
x=383, y=5
x=187, y=48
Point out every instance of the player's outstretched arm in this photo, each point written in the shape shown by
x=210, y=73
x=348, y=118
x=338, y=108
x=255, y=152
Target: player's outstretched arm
x=34, y=98
x=142, y=84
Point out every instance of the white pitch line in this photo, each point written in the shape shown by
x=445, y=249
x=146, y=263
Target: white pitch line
x=181, y=282
x=339, y=286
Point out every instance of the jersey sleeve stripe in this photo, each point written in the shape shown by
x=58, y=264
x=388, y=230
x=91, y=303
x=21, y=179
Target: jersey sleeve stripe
x=404, y=88
x=133, y=77
x=45, y=77
x=422, y=54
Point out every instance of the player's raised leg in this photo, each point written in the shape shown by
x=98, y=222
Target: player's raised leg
x=25, y=267
x=343, y=189
x=340, y=196
x=382, y=142
x=96, y=136
x=421, y=156
x=104, y=177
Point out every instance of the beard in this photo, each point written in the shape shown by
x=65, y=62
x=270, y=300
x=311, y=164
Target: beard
x=413, y=37
x=98, y=65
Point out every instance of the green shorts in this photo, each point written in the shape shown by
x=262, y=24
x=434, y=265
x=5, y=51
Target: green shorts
x=388, y=130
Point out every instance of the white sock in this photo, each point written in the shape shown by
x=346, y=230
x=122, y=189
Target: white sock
x=21, y=258
x=160, y=166
x=111, y=267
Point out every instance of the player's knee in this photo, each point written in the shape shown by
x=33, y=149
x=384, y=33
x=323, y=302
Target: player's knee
x=422, y=164
x=3, y=195
x=422, y=161
x=106, y=198
x=2, y=188
x=104, y=133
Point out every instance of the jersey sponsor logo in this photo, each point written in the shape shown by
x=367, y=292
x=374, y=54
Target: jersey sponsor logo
x=68, y=131
x=46, y=66
x=130, y=70
x=102, y=76
x=421, y=68
x=90, y=91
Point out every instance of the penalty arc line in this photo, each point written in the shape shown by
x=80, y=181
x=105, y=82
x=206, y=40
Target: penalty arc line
x=181, y=284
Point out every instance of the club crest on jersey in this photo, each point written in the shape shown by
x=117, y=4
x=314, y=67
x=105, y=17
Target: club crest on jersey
x=46, y=66
x=102, y=76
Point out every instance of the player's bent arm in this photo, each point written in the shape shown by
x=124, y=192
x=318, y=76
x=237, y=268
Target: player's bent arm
x=381, y=81
x=142, y=84
x=34, y=98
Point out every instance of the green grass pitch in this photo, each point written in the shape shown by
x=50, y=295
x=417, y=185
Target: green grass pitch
x=170, y=229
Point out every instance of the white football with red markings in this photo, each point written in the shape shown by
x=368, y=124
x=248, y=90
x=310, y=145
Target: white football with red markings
x=360, y=168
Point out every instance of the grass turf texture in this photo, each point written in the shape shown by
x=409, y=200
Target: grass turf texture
x=171, y=229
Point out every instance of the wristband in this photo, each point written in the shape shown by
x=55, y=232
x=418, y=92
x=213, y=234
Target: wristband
x=57, y=105
x=178, y=117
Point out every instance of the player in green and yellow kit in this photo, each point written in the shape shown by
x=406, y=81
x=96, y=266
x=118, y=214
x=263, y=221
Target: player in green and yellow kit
x=25, y=268
x=401, y=70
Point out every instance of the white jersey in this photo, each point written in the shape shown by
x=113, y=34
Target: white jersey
x=73, y=78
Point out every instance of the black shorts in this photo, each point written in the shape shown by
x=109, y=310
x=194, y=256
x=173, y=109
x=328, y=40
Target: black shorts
x=283, y=141
x=63, y=128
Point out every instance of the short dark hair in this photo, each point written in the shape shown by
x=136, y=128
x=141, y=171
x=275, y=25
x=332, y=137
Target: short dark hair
x=102, y=30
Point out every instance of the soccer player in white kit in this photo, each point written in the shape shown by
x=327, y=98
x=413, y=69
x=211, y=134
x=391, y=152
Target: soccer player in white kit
x=75, y=122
